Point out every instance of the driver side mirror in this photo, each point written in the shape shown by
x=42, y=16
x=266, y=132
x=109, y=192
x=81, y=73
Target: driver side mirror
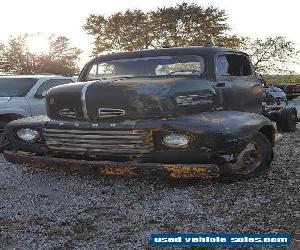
x=261, y=79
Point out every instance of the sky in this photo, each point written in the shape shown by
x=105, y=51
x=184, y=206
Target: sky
x=255, y=18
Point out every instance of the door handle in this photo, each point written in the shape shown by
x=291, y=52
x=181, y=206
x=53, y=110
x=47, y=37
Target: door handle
x=220, y=84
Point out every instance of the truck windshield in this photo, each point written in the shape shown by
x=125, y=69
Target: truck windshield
x=148, y=66
x=16, y=87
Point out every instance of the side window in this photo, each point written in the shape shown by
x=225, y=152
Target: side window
x=233, y=65
x=101, y=70
x=190, y=67
x=43, y=89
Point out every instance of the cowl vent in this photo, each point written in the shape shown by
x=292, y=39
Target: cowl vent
x=67, y=113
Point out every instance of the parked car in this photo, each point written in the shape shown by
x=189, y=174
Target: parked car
x=292, y=91
x=186, y=112
x=274, y=97
x=275, y=107
x=23, y=96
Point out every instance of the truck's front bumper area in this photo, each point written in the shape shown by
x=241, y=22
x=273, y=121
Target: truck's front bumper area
x=216, y=138
x=132, y=168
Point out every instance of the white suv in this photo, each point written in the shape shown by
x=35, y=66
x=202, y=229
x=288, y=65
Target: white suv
x=23, y=96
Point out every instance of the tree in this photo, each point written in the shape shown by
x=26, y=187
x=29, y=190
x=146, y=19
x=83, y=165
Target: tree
x=61, y=58
x=273, y=55
x=182, y=25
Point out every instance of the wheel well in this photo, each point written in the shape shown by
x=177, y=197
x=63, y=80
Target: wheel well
x=269, y=132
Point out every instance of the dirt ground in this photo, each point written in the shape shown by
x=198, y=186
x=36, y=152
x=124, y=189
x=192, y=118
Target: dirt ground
x=58, y=209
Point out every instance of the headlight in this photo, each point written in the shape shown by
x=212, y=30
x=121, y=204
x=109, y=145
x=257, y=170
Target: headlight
x=28, y=134
x=176, y=140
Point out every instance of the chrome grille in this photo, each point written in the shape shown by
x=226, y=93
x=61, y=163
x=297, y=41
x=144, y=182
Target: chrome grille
x=99, y=141
x=106, y=112
x=67, y=113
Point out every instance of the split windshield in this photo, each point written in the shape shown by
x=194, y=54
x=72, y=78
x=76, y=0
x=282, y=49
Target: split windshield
x=16, y=87
x=148, y=66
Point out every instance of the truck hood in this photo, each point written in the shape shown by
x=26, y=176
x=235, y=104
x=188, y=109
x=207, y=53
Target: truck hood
x=132, y=98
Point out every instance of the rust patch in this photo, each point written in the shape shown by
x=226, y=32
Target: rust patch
x=117, y=171
x=214, y=120
x=192, y=172
x=170, y=80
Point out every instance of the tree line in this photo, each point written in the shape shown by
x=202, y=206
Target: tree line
x=61, y=57
x=181, y=25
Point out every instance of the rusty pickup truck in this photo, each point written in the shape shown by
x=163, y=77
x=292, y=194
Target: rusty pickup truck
x=184, y=112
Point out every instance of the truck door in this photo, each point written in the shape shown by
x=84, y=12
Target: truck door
x=241, y=88
x=37, y=103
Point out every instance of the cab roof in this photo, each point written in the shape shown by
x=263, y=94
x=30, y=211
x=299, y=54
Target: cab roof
x=167, y=51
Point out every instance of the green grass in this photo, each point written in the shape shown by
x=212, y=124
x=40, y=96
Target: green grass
x=283, y=79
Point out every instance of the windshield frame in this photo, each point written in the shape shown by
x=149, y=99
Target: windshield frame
x=86, y=70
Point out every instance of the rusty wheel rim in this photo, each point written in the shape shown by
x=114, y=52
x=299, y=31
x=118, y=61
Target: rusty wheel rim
x=248, y=160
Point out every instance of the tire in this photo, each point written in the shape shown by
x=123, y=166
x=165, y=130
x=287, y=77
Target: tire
x=287, y=120
x=254, y=160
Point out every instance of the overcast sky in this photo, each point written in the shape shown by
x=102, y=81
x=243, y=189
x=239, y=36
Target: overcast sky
x=254, y=18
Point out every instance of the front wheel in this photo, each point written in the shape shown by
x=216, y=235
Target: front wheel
x=254, y=160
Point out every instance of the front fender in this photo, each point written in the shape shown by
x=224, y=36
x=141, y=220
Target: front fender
x=213, y=135
x=215, y=130
x=37, y=122
x=231, y=123
x=27, y=122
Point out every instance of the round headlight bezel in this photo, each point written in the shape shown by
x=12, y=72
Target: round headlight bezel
x=33, y=135
x=167, y=140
